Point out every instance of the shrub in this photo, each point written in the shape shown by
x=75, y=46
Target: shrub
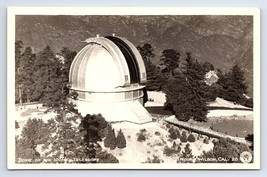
x=228, y=149
x=110, y=140
x=206, y=140
x=113, y=141
x=171, y=151
x=183, y=138
x=155, y=159
x=187, y=153
x=105, y=157
x=141, y=137
x=157, y=133
x=198, y=136
x=16, y=125
x=168, y=125
x=143, y=130
x=191, y=138
x=121, y=141
x=178, y=133
x=174, y=145
x=173, y=135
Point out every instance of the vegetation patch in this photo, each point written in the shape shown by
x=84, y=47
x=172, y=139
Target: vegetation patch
x=29, y=111
x=240, y=128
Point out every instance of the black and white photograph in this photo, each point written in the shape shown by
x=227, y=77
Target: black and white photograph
x=133, y=88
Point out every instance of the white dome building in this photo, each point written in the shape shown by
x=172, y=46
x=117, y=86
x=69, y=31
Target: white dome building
x=109, y=76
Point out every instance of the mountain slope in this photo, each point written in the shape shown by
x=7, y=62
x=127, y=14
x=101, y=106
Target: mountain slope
x=222, y=40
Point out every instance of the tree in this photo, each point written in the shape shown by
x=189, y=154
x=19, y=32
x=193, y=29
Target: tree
x=18, y=52
x=187, y=153
x=91, y=125
x=228, y=149
x=154, y=77
x=146, y=51
x=34, y=132
x=105, y=157
x=183, y=137
x=207, y=66
x=170, y=58
x=250, y=138
x=174, y=133
x=16, y=124
x=232, y=85
x=46, y=75
x=185, y=93
x=191, y=138
x=110, y=140
x=121, y=141
x=25, y=75
x=66, y=142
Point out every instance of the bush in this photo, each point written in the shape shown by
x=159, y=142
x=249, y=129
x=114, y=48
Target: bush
x=191, y=138
x=155, y=159
x=168, y=125
x=105, y=157
x=141, y=137
x=173, y=135
x=206, y=140
x=157, y=133
x=228, y=149
x=171, y=151
x=183, y=138
x=16, y=125
x=121, y=141
x=174, y=145
x=143, y=130
x=178, y=133
x=110, y=140
x=187, y=153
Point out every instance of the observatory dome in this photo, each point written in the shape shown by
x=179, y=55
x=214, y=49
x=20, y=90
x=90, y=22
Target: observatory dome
x=109, y=76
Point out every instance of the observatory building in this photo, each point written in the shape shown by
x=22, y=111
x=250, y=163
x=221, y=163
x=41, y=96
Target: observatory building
x=109, y=76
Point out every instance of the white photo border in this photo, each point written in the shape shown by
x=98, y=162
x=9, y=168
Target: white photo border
x=13, y=11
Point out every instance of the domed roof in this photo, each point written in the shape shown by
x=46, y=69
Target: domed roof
x=106, y=64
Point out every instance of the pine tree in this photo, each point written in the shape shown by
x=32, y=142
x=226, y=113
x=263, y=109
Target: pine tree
x=110, y=140
x=113, y=140
x=183, y=137
x=185, y=94
x=34, y=132
x=107, y=140
x=187, y=153
x=207, y=66
x=146, y=51
x=18, y=52
x=25, y=77
x=105, y=157
x=46, y=68
x=232, y=85
x=170, y=58
x=66, y=142
x=121, y=141
x=91, y=126
x=154, y=77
